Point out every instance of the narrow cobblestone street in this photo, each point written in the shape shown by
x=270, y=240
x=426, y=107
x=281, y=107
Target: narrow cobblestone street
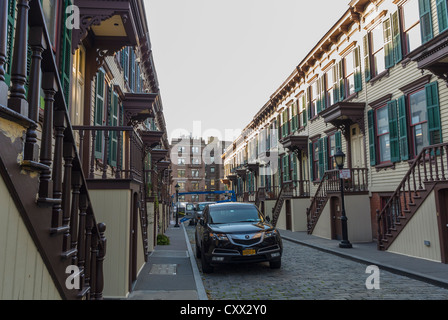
x=310, y=274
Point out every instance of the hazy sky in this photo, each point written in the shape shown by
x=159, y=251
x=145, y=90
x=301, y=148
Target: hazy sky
x=219, y=61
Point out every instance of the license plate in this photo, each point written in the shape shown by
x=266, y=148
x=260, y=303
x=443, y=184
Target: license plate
x=248, y=252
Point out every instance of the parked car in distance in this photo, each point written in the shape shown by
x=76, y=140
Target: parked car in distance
x=199, y=209
x=236, y=233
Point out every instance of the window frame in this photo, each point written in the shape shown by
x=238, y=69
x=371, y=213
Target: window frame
x=411, y=133
x=377, y=135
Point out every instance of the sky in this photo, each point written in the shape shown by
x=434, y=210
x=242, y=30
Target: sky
x=219, y=61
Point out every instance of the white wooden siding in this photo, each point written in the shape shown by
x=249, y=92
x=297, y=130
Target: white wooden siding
x=23, y=274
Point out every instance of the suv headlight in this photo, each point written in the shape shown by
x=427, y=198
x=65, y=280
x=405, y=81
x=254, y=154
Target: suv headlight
x=218, y=236
x=270, y=233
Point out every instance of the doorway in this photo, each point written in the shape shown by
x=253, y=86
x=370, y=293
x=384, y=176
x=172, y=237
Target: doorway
x=442, y=212
x=288, y=215
x=357, y=146
x=133, y=241
x=335, y=213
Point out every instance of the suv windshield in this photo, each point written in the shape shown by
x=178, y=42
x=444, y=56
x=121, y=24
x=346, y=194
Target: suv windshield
x=231, y=215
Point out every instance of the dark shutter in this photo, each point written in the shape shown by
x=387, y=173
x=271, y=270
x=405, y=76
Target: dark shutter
x=393, y=131
x=433, y=110
x=357, y=68
x=396, y=36
x=99, y=113
x=366, y=57
x=425, y=20
x=65, y=54
x=403, y=128
x=372, y=137
x=442, y=15
x=310, y=157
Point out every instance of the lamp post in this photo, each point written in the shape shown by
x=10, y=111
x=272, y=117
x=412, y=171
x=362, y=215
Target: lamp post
x=177, y=205
x=339, y=159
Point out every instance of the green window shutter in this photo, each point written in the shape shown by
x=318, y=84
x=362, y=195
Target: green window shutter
x=396, y=36
x=338, y=140
x=131, y=69
x=442, y=15
x=357, y=68
x=393, y=131
x=294, y=167
x=310, y=158
x=323, y=93
x=286, y=172
x=325, y=153
x=433, y=110
x=9, y=40
x=403, y=128
x=372, y=137
x=113, y=135
x=366, y=57
x=388, y=44
x=294, y=122
x=125, y=62
x=99, y=113
x=321, y=157
x=66, y=54
x=425, y=20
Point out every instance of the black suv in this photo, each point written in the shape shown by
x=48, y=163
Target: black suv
x=236, y=233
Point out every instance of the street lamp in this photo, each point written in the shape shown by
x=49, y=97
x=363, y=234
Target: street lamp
x=339, y=158
x=177, y=205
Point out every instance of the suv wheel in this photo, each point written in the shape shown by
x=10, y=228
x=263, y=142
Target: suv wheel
x=198, y=250
x=275, y=264
x=206, y=267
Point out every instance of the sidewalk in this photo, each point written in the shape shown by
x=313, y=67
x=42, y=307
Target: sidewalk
x=424, y=270
x=171, y=272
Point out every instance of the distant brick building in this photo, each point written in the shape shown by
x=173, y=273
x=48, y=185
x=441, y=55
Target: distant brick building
x=197, y=166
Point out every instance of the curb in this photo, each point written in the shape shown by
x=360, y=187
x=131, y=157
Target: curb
x=202, y=295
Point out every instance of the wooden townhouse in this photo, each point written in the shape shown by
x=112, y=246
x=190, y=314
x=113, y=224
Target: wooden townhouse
x=375, y=87
x=83, y=156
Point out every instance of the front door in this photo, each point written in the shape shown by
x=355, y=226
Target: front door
x=442, y=208
x=357, y=146
x=336, y=227
x=288, y=215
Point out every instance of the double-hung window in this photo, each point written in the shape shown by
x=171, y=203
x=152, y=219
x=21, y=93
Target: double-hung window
x=400, y=129
x=378, y=57
x=302, y=110
x=329, y=85
x=333, y=144
x=411, y=25
x=383, y=134
x=418, y=121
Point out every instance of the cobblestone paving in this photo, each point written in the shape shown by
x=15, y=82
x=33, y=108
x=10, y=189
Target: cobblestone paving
x=310, y=274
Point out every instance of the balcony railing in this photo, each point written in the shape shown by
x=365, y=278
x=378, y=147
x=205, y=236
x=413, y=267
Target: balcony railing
x=121, y=160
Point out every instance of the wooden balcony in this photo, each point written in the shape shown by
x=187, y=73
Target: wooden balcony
x=152, y=138
x=138, y=107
